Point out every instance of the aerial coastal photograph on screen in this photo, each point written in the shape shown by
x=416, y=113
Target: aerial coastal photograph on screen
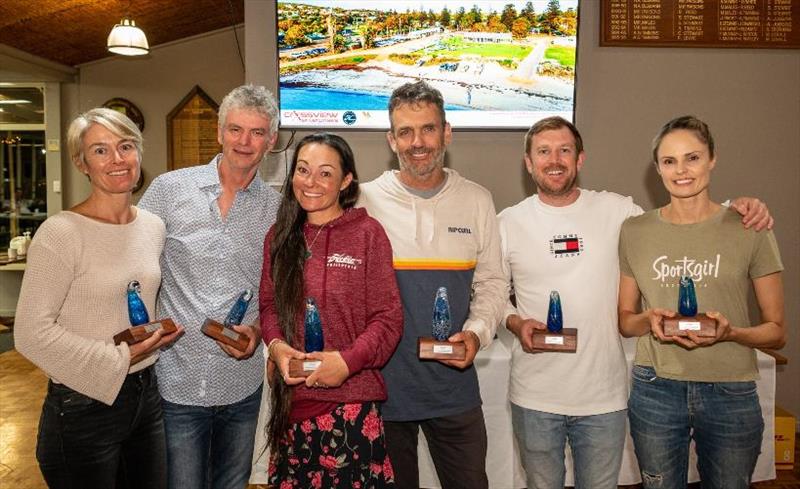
x=498, y=64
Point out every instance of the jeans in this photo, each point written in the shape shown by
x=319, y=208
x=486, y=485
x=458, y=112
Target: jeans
x=211, y=447
x=85, y=444
x=723, y=418
x=457, y=445
x=596, y=442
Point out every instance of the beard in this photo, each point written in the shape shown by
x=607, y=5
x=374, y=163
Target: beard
x=555, y=191
x=421, y=171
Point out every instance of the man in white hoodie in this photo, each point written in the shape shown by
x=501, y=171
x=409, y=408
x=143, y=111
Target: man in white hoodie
x=444, y=233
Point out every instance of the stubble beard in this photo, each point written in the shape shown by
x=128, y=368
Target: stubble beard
x=544, y=188
x=422, y=172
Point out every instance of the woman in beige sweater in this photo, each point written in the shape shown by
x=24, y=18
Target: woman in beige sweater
x=101, y=421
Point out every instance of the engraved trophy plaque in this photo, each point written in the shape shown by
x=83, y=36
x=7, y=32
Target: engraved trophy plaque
x=556, y=338
x=224, y=332
x=437, y=347
x=312, y=325
x=688, y=319
x=141, y=326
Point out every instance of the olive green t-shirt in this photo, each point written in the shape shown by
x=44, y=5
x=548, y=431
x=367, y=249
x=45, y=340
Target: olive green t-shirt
x=722, y=257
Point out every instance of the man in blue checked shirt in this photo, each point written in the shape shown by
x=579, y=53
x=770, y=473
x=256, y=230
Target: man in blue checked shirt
x=216, y=217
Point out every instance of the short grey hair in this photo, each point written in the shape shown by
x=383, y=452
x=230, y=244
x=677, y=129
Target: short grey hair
x=416, y=93
x=118, y=123
x=251, y=97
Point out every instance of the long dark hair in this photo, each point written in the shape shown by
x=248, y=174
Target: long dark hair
x=287, y=256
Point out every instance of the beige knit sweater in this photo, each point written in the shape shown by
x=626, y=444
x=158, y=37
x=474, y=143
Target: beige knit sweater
x=73, y=299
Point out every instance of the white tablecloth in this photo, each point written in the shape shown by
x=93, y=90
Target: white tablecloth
x=502, y=461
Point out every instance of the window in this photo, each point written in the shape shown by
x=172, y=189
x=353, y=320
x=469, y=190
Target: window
x=23, y=169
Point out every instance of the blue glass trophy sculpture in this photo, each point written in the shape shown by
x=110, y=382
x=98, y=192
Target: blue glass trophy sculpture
x=441, y=315
x=687, y=298
x=313, y=327
x=687, y=319
x=239, y=309
x=556, y=337
x=141, y=326
x=314, y=341
x=224, y=332
x=437, y=347
x=137, y=313
x=555, y=321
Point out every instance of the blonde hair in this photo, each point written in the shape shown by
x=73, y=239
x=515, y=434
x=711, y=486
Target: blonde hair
x=116, y=122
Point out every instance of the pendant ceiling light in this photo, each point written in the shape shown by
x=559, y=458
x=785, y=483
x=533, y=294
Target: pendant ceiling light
x=127, y=39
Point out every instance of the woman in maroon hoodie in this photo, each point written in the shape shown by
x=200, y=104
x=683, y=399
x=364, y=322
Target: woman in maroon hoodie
x=326, y=430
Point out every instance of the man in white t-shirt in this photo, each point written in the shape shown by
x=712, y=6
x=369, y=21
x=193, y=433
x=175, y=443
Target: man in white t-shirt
x=565, y=238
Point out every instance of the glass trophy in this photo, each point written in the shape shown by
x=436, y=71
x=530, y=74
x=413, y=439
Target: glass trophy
x=556, y=338
x=224, y=332
x=688, y=319
x=141, y=326
x=314, y=341
x=437, y=347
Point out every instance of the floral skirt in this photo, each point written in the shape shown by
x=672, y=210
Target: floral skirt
x=345, y=448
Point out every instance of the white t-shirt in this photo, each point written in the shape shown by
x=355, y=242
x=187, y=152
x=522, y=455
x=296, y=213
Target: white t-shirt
x=572, y=250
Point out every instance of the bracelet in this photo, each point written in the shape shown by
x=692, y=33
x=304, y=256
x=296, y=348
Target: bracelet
x=271, y=344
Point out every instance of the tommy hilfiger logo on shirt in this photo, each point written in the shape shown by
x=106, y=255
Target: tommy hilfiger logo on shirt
x=566, y=245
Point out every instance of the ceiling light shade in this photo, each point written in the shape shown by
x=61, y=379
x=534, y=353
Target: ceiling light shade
x=127, y=39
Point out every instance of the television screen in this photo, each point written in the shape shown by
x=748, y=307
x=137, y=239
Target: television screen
x=498, y=64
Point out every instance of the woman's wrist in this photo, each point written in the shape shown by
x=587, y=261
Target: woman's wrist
x=272, y=344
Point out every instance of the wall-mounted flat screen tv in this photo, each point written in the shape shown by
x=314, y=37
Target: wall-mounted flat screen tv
x=499, y=64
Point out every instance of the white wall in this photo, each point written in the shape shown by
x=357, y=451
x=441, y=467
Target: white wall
x=155, y=83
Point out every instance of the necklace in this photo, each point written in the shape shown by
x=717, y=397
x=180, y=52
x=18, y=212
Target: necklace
x=309, y=246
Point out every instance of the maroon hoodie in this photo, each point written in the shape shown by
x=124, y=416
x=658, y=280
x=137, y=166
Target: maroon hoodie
x=351, y=277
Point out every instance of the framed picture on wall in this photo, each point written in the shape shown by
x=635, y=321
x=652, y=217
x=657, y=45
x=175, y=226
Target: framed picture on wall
x=192, y=131
x=128, y=108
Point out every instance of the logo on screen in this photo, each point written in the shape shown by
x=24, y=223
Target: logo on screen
x=349, y=117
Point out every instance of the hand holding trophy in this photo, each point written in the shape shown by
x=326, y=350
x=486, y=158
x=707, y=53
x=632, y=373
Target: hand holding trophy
x=437, y=347
x=314, y=341
x=224, y=332
x=141, y=326
x=688, y=319
x=556, y=337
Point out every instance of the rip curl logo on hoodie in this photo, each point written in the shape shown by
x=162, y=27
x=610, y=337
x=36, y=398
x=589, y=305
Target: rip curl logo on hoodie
x=342, y=260
x=459, y=230
x=566, y=245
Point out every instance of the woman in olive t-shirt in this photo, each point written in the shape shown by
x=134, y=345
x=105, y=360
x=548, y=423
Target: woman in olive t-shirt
x=693, y=387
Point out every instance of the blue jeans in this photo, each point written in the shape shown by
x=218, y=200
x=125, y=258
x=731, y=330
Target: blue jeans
x=723, y=418
x=211, y=447
x=596, y=441
x=86, y=444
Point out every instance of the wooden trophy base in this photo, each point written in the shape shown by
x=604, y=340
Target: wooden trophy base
x=701, y=325
x=303, y=368
x=143, y=331
x=566, y=341
x=431, y=349
x=229, y=336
